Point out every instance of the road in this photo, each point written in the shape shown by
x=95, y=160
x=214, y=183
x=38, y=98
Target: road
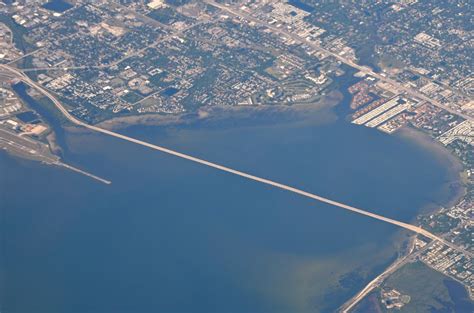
x=377, y=281
x=21, y=76
x=360, y=68
x=364, y=69
x=234, y=11
x=173, y=33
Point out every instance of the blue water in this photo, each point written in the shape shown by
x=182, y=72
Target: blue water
x=461, y=303
x=170, y=91
x=57, y=6
x=46, y=115
x=27, y=117
x=459, y=296
x=172, y=236
x=301, y=5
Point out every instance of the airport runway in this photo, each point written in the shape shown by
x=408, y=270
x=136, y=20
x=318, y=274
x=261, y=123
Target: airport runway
x=33, y=150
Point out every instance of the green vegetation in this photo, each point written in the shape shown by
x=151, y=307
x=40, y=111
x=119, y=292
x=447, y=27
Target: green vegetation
x=465, y=237
x=462, y=150
x=49, y=105
x=390, y=61
x=424, y=285
x=439, y=223
x=370, y=303
x=166, y=16
x=132, y=97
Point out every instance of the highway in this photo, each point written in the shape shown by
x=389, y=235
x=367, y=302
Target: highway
x=21, y=76
x=377, y=281
x=10, y=71
x=349, y=305
x=364, y=69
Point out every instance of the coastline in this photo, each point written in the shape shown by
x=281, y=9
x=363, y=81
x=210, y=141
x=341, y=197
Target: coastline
x=330, y=100
x=213, y=114
x=321, y=110
x=406, y=243
x=455, y=185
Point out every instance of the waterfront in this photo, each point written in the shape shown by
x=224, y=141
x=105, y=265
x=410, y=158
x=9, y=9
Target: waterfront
x=162, y=237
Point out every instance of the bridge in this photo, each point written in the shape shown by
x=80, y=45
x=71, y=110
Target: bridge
x=21, y=76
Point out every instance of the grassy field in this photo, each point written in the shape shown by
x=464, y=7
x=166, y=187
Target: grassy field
x=425, y=287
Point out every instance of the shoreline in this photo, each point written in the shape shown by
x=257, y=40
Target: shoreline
x=417, y=137
x=455, y=168
x=454, y=187
x=444, y=156
x=292, y=113
x=328, y=101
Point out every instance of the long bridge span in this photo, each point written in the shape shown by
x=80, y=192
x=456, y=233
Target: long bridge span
x=18, y=74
